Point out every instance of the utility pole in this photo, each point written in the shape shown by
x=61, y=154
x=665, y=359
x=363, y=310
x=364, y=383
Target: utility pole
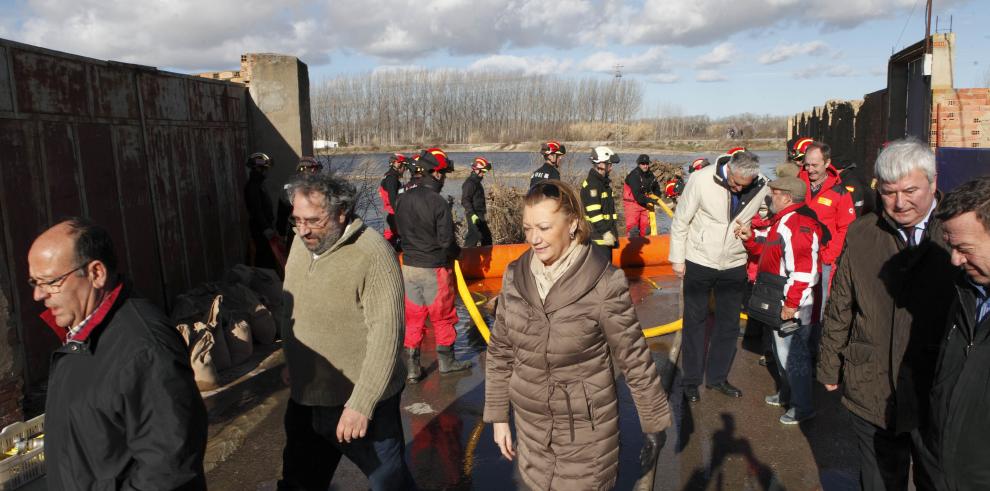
x=618, y=69
x=928, y=27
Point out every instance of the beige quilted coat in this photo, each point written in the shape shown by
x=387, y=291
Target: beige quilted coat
x=552, y=361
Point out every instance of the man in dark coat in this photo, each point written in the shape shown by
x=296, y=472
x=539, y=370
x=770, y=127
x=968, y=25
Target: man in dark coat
x=122, y=409
x=959, y=397
x=475, y=207
x=640, y=191
x=884, y=319
x=429, y=249
x=261, y=210
x=389, y=190
x=553, y=153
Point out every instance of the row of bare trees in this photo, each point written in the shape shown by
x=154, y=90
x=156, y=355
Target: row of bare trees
x=406, y=107
x=415, y=106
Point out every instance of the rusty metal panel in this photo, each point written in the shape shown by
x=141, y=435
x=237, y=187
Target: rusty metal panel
x=234, y=106
x=230, y=168
x=61, y=171
x=100, y=183
x=138, y=213
x=203, y=144
x=206, y=101
x=161, y=140
x=6, y=96
x=22, y=201
x=165, y=97
x=46, y=84
x=185, y=178
x=114, y=92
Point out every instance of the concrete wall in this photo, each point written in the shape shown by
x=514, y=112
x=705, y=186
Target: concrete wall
x=279, y=112
x=156, y=157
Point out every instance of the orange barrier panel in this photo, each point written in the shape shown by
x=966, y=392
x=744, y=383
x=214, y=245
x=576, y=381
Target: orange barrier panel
x=490, y=262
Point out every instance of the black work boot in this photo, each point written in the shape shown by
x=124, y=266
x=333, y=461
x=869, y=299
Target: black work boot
x=445, y=355
x=413, y=370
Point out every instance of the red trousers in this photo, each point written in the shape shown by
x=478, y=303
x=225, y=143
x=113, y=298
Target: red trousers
x=637, y=217
x=429, y=294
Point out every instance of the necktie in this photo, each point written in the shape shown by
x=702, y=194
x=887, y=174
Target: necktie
x=912, y=239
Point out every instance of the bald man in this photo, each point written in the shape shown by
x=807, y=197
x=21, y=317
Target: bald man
x=122, y=408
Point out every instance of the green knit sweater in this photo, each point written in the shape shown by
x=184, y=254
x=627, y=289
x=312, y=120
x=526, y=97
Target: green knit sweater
x=345, y=327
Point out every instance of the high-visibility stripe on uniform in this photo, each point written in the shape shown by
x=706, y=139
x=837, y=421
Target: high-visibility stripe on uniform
x=604, y=195
x=593, y=207
x=594, y=219
x=584, y=184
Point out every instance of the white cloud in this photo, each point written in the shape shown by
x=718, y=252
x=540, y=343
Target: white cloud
x=197, y=35
x=652, y=61
x=528, y=65
x=710, y=76
x=783, y=52
x=719, y=55
x=820, y=70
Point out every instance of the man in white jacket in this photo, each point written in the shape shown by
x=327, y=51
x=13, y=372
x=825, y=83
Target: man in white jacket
x=706, y=252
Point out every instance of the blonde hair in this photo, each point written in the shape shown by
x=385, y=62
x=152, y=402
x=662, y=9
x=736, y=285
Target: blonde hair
x=568, y=203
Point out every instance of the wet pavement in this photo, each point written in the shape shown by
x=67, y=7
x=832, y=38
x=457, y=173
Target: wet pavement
x=717, y=444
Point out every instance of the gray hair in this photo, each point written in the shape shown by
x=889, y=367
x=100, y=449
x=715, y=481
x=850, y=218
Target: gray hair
x=339, y=195
x=745, y=163
x=903, y=156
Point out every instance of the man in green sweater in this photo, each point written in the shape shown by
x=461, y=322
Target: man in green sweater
x=342, y=343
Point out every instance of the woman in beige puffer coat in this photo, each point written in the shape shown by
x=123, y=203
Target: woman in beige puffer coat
x=563, y=312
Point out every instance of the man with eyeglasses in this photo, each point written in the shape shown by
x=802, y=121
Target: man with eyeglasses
x=122, y=406
x=707, y=253
x=307, y=165
x=342, y=343
x=597, y=198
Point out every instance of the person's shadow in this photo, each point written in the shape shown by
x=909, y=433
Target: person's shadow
x=724, y=445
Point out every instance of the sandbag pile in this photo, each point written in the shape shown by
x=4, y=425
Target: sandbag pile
x=221, y=321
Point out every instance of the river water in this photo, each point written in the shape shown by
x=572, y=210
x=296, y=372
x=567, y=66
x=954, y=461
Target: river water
x=509, y=168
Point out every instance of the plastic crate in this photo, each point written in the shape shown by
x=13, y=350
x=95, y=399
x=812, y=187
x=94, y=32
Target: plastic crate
x=25, y=441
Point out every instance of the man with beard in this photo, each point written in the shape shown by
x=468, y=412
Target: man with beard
x=342, y=343
x=429, y=247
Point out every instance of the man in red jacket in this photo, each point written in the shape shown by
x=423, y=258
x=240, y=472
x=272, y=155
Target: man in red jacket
x=790, y=250
x=831, y=202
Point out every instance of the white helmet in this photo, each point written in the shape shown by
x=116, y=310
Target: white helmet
x=604, y=154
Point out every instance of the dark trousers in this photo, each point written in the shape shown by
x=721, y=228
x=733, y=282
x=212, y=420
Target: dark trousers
x=729, y=287
x=886, y=458
x=478, y=234
x=312, y=452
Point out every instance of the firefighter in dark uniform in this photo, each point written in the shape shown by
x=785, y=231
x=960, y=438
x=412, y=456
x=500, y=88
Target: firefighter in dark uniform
x=475, y=208
x=553, y=153
x=389, y=190
x=598, y=201
x=261, y=216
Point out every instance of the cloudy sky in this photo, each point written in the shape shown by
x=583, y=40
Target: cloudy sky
x=715, y=57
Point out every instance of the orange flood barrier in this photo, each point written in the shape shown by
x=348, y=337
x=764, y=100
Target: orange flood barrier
x=480, y=263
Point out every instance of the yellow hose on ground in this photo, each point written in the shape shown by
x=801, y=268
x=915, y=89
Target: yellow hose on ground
x=462, y=289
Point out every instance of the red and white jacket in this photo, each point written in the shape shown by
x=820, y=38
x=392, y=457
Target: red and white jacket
x=791, y=249
x=833, y=204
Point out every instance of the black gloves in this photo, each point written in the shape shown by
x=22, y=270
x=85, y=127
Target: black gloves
x=652, y=444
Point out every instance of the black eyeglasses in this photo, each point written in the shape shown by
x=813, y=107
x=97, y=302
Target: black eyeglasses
x=309, y=168
x=53, y=286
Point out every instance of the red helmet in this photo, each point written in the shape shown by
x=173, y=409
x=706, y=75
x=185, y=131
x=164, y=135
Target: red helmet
x=800, y=148
x=735, y=150
x=435, y=159
x=553, y=147
x=699, y=164
x=397, y=158
x=482, y=164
